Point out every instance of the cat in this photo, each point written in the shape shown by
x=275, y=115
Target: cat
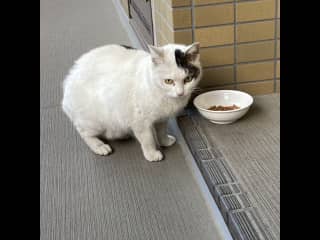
x=115, y=91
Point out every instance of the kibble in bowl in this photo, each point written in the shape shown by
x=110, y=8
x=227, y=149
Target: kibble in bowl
x=223, y=108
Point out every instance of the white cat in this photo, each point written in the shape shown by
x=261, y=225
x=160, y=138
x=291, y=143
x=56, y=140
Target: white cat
x=116, y=91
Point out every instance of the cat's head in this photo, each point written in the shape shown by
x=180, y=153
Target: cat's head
x=176, y=68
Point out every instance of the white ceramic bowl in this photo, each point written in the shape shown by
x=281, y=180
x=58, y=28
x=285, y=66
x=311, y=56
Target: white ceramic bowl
x=224, y=98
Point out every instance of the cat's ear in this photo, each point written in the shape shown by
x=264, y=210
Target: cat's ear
x=156, y=54
x=193, y=51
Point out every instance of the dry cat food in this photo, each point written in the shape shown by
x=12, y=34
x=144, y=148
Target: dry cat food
x=223, y=108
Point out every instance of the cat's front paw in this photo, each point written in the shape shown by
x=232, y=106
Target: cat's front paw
x=168, y=141
x=153, y=156
x=103, y=149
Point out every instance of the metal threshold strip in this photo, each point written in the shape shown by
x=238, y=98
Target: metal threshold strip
x=198, y=176
x=229, y=199
x=240, y=165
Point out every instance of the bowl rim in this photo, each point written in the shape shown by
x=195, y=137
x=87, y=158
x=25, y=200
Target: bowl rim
x=226, y=111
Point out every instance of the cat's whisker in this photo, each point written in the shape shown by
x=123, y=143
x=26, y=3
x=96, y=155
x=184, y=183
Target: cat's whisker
x=196, y=89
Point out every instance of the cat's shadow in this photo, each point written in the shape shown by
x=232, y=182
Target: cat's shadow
x=122, y=141
x=125, y=139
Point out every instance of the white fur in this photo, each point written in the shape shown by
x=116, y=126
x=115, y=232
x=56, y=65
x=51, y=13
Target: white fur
x=116, y=92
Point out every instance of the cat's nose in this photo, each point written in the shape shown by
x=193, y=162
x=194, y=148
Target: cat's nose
x=179, y=91
x=180, y=94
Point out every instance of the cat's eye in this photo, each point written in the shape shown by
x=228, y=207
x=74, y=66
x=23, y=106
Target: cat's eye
x=168, y=81
x=188, y=79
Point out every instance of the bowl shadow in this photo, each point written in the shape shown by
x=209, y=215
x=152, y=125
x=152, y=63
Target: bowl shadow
x=253, y=111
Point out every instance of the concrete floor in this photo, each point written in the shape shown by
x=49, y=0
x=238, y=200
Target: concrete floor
x=122, y=196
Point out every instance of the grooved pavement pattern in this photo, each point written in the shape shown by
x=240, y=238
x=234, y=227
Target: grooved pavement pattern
x=84, y=196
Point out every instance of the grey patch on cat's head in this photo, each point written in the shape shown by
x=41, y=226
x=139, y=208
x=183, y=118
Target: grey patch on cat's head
x=184, y=59
x=127, y=47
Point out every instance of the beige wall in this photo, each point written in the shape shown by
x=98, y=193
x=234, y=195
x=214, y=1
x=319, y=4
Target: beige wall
x=240, y=41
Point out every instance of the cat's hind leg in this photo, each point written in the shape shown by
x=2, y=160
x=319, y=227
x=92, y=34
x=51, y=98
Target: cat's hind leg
x=164, y=139
x=94, y=143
